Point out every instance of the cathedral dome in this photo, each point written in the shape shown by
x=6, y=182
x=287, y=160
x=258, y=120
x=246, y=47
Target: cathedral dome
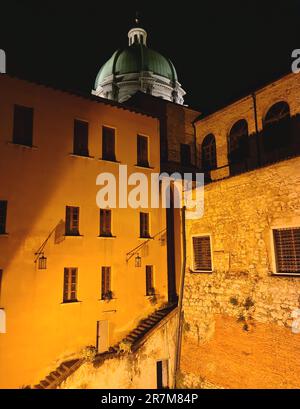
x=138, y=68
x=137, y=58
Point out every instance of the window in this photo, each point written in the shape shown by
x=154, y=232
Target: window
x=108, y=144
x=23, y=125
x=185, y=154
x=106, y=283
x=72, y=221
x=202, y=253
x=277, y=127
x=209, y=157
x=80, y=142
x=149, y=280
x=142, y=151
x=105, y=223
x=162, y=374
x=238, y=142
x=3, y=212
x=70, y=284
x=287, y=250
x=144, y=225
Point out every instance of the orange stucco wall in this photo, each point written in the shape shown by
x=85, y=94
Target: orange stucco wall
x=38, y=183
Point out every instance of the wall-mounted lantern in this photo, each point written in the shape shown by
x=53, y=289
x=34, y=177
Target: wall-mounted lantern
x=138, y=260
x=42, y=262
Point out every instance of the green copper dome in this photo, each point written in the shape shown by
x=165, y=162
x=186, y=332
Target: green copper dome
x=136, y=58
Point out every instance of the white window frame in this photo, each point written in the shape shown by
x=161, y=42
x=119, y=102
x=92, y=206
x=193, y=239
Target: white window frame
x=273, y=252
x=211, y=253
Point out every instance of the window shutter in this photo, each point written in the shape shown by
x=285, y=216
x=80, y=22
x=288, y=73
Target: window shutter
x=70, y=284
x=105, y=281
x=105, y=222
x=81, y=129
x=202, y=253
x=287, y=250
x=144, y=225
x=149, y=279
x=108, y=143
x=142, y=150
x=72, y=220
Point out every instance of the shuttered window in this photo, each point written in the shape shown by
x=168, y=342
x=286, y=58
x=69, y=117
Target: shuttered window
x=108, y=143
x=142, y=150
x=149, y=280
x=23, y=125
x=80, y=142
x=72, y=221
x=202, y=253
x=105, y=222
x=287, y=250
x=70, y=284
x=105, y=282
x=3, y=212
x=144, y=225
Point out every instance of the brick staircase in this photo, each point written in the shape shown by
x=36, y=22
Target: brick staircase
x=134, y=339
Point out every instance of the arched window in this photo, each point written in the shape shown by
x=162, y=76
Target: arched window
x=276, y=126
x=238, y=142
x=209, y=159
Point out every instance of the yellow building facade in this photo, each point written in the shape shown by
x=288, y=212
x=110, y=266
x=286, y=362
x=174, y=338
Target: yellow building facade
x=37, y=183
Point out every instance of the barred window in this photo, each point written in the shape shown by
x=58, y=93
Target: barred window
x=3, y=212
x=287, y=250
x=105, y=282
x=80, y=142
x=70, y=284
x=202, y=253
x=149, y=280
x=72, y=221
x=105, y=222
x=108, y=143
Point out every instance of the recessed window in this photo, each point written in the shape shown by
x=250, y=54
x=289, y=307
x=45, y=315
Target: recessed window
x=144, y=225
x=287, y=250
x=202, y=260
x=185, y=154
x=108, y=143
x=106, y=292
x=162, y=374
x=23, y=125
x=3, y=213
x=209, y=156
x=105, y=223
x=70, y=284
x=1, y=277
x=149, y=280
x=80, y=142
x=72, y=221
x=142, y=151
x=238, y=142
x=277, y=127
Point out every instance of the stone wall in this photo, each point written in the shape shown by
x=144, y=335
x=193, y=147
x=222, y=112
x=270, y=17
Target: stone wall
x=130, y=370
x=237, y=330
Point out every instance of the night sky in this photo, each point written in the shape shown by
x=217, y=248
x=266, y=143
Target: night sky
x=221, y=49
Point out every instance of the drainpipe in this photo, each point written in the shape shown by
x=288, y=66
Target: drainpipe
x=180, y=300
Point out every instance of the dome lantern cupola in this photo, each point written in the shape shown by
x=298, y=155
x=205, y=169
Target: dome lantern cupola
x=138, y=68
